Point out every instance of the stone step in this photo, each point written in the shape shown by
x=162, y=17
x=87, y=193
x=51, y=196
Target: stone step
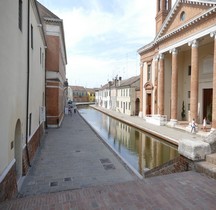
x=206, y=168
x=211, y=158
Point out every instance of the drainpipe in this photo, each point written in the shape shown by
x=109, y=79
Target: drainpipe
x=28, y=72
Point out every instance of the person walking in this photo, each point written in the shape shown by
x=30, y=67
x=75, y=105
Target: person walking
x=193, y=126
x=204, y=124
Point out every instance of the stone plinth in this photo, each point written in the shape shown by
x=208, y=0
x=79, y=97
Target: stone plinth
x=194, y=150
x=211, y=140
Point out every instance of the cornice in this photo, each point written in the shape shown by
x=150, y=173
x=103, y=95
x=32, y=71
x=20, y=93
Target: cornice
x=174, y=9
x=190, y=23
x=52, y=20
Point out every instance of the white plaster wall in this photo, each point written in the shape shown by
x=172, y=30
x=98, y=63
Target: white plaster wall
x=126, y=99
x=13, y=68
x=13, y=80
x=37, y=74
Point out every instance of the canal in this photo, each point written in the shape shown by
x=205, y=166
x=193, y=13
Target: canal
x=141, y=150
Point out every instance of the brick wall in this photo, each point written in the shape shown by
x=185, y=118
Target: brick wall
x=176, y=165
x=52, y=54
x=54, y=103
x=8, y=187
x=33, y=145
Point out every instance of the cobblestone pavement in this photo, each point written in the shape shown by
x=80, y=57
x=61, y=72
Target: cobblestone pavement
x=73, y=157
x=75, y=170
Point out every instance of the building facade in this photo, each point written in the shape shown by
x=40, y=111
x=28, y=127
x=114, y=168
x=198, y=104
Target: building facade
x=126, y=96
x=22, y=91
x=91, y=94
x=178, y=68
x=56, y=60
x=80, y=94
x=120, y=95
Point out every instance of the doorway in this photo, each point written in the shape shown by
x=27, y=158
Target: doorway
x=18, y=151
x=148, y=104
x=207, y=104
x=137, y=107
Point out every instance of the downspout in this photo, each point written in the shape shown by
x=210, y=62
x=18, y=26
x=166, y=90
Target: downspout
x=28, y=72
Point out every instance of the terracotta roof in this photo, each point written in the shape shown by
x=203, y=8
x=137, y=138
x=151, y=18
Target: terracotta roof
x=129, y=81
x=91, y=90
x=45, y=13
x=78, y=88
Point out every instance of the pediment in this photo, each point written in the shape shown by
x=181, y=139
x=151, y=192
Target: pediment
x=148, y=86
x=185, y=12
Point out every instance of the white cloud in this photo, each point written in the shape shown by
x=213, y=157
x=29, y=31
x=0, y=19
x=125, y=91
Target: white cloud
x=102, y=43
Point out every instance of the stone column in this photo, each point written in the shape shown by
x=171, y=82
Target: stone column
x=214, y=85
x=161, y=85
x=174, y=86
x=194, y=80
x=141, y=90
x=156, y=86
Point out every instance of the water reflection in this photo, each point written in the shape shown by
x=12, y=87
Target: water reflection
x=139, y=149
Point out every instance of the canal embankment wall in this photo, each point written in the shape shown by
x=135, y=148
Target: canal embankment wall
x=193, y=148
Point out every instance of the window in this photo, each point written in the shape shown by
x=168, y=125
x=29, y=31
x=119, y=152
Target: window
x=32, y=36
x=182, y=16
x=188, y=107
x=149, y=72
x=20, y=15
x=189, y=94
x=189, y=70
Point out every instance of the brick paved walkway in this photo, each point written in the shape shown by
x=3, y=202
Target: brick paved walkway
x=188, y=191
x=75, y=170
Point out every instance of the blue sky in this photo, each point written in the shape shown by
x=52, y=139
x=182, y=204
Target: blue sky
x=103, y=36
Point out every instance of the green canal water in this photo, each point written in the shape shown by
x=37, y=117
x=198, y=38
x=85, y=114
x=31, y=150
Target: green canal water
x=141, y=150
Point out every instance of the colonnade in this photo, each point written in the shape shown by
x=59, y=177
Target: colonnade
x=194, y=85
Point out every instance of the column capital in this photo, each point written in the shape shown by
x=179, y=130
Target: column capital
x=161, y=56
x=156, y=58
x=141, y=64
x=213, y=34
x=174, y=51
x=193, y=43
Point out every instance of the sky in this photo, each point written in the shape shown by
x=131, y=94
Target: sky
x=102, y=37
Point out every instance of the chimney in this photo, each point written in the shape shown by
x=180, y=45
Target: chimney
x=119, y=82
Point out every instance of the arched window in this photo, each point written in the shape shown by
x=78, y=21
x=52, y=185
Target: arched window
x=182, y=16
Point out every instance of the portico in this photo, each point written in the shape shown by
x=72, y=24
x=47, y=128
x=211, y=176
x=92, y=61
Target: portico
x=183, y=64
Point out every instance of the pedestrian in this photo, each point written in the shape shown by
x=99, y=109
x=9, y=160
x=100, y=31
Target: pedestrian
x=70, y=110
x=193, y=126
x=204, y=124
x=75, y=109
